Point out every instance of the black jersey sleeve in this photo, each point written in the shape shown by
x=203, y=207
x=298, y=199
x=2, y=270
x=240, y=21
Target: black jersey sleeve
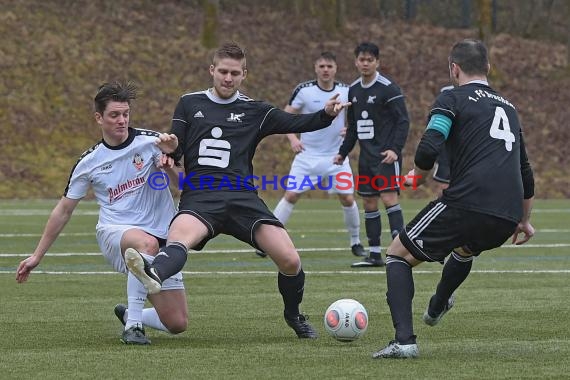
x=278, y=121
x=180, y=125
x=351, y=136
x=430, y=145
x=526, y=171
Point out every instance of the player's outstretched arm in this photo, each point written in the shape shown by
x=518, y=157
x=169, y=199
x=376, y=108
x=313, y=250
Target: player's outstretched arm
x=57, y=220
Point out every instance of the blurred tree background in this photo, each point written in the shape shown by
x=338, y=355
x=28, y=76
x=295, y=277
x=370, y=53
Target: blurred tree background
x=55, y=53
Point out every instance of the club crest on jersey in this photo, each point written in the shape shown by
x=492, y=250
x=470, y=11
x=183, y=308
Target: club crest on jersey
x=236, y=118
x=371, y=99
x=138, y=161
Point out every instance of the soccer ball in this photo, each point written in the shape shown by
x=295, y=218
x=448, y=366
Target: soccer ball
x=346, y=320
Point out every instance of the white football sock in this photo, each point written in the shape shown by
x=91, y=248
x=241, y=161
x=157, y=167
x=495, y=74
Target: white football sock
x=352, y=222
x=283, y=210
x=151, y=319
x=136, y=297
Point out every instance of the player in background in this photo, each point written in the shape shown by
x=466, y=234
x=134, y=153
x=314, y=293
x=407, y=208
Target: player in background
x=131, y=213
x=217, y=131
x=378, y=120
x=489, y=198
x=314, y=150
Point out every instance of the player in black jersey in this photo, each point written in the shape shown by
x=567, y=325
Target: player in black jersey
x=488, y=200
x=217, y=132
x=378, y=119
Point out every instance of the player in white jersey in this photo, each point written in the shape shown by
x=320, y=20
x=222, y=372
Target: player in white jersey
x=123, y=170
x=312, y=163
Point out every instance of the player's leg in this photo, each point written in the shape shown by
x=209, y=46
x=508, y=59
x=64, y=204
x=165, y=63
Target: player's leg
x=186, y=230
x=373, y=226
x=283, y=211
x=393, y=211
x=170, y=308
x=275, y=241
x=456, y=269
x=400, y=293
x=352, y=223
x=343, y=186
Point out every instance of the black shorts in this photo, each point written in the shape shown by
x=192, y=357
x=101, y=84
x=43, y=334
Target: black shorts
x=235, y=213
x=441, y=172
x=373, y=179
x=439, y=228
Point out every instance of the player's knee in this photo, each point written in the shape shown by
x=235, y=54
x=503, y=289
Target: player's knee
x=177, y=323
x=290, y=265
x=148, y=245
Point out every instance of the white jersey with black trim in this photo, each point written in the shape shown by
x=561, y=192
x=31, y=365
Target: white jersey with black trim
x=308, y=97
x=119, y=177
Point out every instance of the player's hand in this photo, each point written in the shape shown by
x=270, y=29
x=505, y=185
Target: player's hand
x=527, y=229
x=338, y=159
x=297, y=146
x=391, y=156
x=25, y=268
x=334, y=106
x=167, y=142
x=165, y=162
x=414, y=180
x=343, y=132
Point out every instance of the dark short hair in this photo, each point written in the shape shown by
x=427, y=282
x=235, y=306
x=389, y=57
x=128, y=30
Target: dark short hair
x=367, y=47
x=328, y=55
x=471, y=55
x=116, y=92
x=230, y=50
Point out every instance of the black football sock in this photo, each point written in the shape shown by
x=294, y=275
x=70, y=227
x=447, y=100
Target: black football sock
x=291, y=288
x=399, y=296
x=373, y=226
x=170, y=260
x=395, y=219
x=455, y=271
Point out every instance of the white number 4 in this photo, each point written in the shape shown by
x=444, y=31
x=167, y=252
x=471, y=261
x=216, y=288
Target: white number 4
x=504, y=133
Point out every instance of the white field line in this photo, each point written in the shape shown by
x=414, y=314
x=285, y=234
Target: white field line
x=290, y=230
x=272, y=273
x=246, y=250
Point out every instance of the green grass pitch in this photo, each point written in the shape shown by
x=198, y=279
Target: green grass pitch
x=510, y=320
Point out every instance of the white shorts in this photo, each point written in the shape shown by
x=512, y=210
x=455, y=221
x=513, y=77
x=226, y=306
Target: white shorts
x=109, y=238
x=319, y=173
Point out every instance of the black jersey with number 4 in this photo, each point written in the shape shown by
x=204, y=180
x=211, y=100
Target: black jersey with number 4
x=218, y=137
x=484, y=149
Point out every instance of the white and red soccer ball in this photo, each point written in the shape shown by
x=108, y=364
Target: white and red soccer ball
x=346, y=320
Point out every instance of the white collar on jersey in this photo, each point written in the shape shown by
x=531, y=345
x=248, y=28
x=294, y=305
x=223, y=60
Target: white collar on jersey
x=210, y=94
x=371, y=82
x=478, y=81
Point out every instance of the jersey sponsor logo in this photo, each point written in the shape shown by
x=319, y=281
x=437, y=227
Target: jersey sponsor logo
x=199, y=114
x=215, y=152
x=365, y=127
x=236, y=118
x=138, y=161
x=106, y=167
x=371, y=99
x=118, y=191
